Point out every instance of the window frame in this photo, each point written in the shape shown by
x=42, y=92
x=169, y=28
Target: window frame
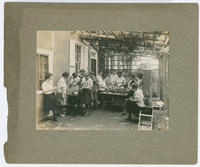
x=42, y=59
x=45, y=52
x=78, y=57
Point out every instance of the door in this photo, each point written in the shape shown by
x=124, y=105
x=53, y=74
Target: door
x=93, y=66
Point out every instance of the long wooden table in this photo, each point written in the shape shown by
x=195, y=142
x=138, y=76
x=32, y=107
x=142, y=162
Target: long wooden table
x=112, y=98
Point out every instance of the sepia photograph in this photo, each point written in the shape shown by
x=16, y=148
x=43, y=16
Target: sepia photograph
x=102, y=80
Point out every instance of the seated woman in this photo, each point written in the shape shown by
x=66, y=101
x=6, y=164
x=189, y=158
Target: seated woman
x=50, y=101
x=73, y=95
x=86, y=97
x=120, y=81
x=135, y=102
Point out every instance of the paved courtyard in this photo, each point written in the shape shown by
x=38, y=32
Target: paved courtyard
x=100, y=120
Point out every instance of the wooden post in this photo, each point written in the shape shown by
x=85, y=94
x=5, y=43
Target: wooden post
x=166, y=99
x=163, y=74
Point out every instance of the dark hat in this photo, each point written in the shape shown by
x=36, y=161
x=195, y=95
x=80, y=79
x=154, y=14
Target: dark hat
x=119, y=72
x=65, y=74
x=48, y=75
x=82, y=70
x=74, y=74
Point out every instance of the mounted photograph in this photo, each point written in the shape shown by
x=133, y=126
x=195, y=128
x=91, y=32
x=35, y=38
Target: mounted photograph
x=102, y=80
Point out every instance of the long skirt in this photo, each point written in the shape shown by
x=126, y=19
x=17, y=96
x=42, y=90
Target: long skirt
x=73, y=100
x=50, y=102
x=132, y=108
x=86, y=97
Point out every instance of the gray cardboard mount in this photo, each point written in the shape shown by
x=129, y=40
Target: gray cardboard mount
x=28, y=145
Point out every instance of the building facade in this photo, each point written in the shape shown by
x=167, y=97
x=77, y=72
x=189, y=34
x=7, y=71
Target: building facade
x=58, y=52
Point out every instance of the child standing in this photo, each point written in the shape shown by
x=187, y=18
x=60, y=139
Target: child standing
x=94, y=90
x=87, y=85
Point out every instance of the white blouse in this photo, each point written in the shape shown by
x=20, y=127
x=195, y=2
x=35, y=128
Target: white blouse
x=47, y=87
x=102, y=84
x=62, y=86
x=87, y=84
x=139, y=97
x=120, y=81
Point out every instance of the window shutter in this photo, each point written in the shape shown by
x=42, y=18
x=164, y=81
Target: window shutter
x=72, y=57
x=85, y=58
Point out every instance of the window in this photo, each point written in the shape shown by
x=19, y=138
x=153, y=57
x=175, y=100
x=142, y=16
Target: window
x=118, y=62
x=77, y=58
x=42, y=69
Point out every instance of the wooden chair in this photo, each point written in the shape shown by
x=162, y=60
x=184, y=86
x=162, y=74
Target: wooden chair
x=148, y=113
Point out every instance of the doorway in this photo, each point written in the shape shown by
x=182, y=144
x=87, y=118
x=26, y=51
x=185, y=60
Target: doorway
x=93, y=66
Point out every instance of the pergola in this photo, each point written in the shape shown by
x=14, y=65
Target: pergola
x=126, y=41
x=134, y=44
x=131, y=43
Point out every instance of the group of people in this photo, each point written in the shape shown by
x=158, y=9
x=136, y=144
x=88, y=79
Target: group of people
x=78, y=93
